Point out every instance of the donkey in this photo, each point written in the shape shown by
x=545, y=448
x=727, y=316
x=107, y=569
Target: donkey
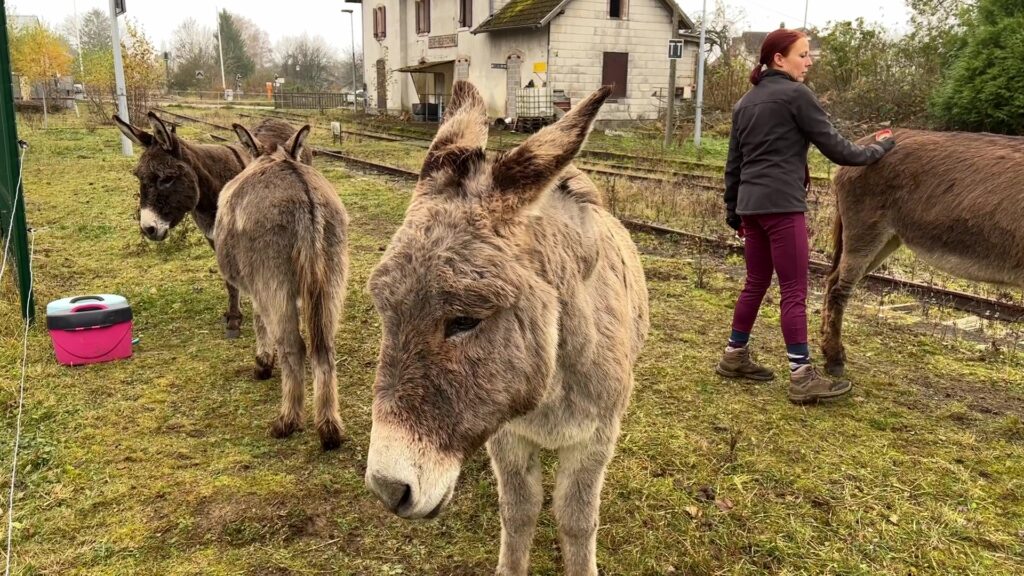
x=953, y=198
x=513, y=309
x=281, y=237
x=177, y=177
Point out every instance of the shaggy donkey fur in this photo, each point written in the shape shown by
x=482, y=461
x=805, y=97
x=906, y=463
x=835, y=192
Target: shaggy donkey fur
x=177, y=178
x=513, y=309
x=281, y=237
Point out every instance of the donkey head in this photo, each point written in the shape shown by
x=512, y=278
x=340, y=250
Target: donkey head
x=293, y=149
x=469, y=324
x=168, y=185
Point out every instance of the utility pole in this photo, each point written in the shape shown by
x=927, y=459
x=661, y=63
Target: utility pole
x=122, y=98
x=700, y=75
x=806, y=2
x=352, y=26
x=78, y=34
x=220, y=50
x=670, y=111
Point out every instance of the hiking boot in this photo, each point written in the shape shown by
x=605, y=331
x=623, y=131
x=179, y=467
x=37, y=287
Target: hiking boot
x=736, y=363
x=806, y=385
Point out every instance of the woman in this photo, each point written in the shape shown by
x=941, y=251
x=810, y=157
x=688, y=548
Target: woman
x=766, y=179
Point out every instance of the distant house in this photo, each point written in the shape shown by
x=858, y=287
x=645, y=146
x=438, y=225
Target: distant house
x=747, y=46
x=23, y=89
x=527, y=57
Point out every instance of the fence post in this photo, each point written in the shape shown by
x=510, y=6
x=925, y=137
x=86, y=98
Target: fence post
x=9, y=169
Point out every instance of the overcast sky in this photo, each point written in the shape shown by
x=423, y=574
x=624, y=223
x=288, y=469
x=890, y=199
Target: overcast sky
x=159, y=18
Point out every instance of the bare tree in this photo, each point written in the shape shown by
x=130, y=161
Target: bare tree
x=257, y=42
x=194, y=52
x=308, y=63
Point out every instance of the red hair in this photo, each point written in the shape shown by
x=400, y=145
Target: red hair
x=776, y=42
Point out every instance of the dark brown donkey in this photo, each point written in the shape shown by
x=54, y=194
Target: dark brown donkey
x=178, y=177
x=513, y=308
x=955, y=199
x=281, y=238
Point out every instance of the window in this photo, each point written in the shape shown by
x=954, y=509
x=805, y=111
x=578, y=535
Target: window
x=422, y=16
x=614, y=73
x=617, y=8
x=380, y=23
x=465, y=13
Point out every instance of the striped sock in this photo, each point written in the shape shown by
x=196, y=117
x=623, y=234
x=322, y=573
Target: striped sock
x=799, y=355
x=738, y=339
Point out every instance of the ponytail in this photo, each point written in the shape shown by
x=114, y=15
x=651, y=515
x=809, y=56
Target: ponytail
x=756, y=73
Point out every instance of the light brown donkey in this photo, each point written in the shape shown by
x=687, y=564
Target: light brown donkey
x=513, y=309
x=955, y=199
x=281, y=237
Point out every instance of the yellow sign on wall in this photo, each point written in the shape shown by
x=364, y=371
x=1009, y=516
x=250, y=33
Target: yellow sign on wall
x=540, y=67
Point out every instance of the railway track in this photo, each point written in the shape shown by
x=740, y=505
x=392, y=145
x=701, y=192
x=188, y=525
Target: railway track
x=986, y=308
x=701, y=182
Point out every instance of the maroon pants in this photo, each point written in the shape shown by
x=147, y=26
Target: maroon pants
x=775, y=243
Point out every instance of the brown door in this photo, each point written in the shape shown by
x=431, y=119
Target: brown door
x=615, y=72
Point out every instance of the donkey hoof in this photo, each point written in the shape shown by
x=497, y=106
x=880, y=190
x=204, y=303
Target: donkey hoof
x=262, y=372
x=232, y=333
x=330, y=435
x=282, y=428
x=835, y=369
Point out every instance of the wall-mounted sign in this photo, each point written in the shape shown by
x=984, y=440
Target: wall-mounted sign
x=675, y=48
x=443, y=41
x=499, y=66
x=540, y=67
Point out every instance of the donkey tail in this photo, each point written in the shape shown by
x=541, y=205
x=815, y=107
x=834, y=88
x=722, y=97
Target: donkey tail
x=837, y=242
x=320, y=297
x=322, y=288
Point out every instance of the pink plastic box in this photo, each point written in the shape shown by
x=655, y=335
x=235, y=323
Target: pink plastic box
x=90, y=329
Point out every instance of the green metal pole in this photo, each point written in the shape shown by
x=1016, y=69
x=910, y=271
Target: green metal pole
x=9, y=169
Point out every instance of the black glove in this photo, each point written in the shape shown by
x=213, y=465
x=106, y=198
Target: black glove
x=887, y=144
x=733, y=220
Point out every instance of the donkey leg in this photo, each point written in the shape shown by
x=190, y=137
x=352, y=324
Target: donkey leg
x=577, y=500
x=283, y=323
x=264, y=347
x=233, y=317
x=860, y=256
x=327, y=419
x=516, y=463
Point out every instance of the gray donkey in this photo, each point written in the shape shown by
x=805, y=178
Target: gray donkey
x=281, y=237
x=513, y=309
x=178, y=177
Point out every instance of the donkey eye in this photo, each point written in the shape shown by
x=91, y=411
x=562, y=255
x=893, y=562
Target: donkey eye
x=165, y=181
x=459, y=324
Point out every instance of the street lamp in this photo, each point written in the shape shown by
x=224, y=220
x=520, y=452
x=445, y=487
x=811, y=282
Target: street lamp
x=352, y=23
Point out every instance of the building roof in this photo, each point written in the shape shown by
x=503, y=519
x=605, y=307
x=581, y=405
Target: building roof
x=26, y=22
x=423, y=66
x=538, y=13
x=751, y=41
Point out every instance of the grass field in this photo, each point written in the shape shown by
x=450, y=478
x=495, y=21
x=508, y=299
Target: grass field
x=162, y=464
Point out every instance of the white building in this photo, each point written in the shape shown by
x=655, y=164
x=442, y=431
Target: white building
x=527, y=57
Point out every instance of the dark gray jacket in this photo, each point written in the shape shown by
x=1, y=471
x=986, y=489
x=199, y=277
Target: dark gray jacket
x=772, y=126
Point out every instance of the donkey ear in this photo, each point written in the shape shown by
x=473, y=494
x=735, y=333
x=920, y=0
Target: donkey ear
x=527, y=170
x=297, y=143
x=167, y=140
x=251, y=145
x=462, y=135
x=140, y=137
